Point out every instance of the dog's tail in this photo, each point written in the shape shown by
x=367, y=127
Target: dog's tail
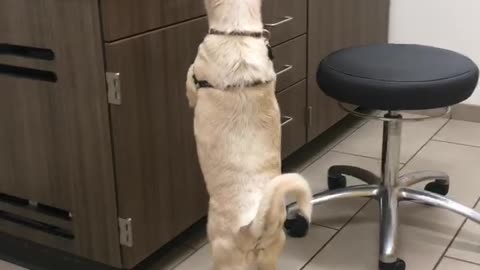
x=272, y=212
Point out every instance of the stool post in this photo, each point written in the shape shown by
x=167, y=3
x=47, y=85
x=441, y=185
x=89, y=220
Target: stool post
x=389, y=199
x=392, y=131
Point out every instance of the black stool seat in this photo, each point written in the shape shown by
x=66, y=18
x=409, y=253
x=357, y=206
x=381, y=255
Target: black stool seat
x=398, y=77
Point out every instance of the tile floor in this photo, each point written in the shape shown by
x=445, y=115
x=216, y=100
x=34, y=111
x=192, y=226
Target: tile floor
x=345, y=235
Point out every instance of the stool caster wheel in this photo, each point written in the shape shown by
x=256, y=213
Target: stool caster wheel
x=398, y=265
x=439, y=187
x=296, y=227
x=337, y=182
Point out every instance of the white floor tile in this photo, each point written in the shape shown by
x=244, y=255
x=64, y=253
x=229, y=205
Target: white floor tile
x=452, y=264
x=297, y=252
x=467, y=244
x=367, y=141
x=336, y=214
x=460, y=132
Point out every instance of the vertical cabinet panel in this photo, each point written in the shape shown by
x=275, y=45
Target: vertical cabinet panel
x=333, y=25
x=159, y=182
x=54, y=134
x=293, y=110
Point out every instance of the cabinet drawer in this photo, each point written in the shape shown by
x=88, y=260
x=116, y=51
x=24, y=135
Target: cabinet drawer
x=290, y=62
x=122, y=18
x=292, y=104
x=285, y=19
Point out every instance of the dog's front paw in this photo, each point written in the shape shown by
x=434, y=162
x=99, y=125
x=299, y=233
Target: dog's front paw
x=191, y=89
x=192, y=98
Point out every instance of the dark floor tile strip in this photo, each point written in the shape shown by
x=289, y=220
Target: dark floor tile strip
x=188, y=257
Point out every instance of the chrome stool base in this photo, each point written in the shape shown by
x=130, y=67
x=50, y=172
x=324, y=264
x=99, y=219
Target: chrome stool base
x=389, y=190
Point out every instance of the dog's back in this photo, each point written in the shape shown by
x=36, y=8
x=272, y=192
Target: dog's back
x=238, y=135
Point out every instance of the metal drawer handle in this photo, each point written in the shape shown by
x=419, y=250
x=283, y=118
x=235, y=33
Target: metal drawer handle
x=286, y=120
x=285, y=19
x=285, y=69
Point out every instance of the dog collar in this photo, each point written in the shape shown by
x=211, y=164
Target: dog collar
x=205, y=84
x=255, y=34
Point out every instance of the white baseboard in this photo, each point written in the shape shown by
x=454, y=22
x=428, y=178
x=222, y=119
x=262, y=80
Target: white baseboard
x=466, y=112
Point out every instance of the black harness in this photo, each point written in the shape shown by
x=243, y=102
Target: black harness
x=264, y=34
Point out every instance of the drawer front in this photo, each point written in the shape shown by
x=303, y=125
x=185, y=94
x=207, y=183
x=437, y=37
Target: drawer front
x=122, y=18
x=290, y=62
x=285, y=19
x=292, y=103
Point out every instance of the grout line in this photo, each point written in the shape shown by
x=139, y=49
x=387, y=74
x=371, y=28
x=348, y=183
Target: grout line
x=425, y=144
x=461, y=260
x=323, y=226
x=356, y=155
x=456, y=143
x=334, y=235
x=454, y=237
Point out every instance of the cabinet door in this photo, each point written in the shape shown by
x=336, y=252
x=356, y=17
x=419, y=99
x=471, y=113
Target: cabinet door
x=159, y=182
x=122, y=18
x=333, y=25
x=55, y=150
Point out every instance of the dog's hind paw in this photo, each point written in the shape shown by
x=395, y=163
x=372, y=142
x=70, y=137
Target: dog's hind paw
x=297, y=226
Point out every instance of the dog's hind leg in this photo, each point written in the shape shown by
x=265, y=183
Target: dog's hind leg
x=268, y=258
x=226, y=256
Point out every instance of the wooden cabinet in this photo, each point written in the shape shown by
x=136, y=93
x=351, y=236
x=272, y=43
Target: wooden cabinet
x=124, y=18
x=112, y=180
x=333, y=25
x=159, y=182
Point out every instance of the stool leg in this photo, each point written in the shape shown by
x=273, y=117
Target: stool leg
x=359, y=173
x=334, y=195
x=388, y=227
x=350, y=192
x=392, y=131
x=411, y=179
x=297, y=226
x=439, y=201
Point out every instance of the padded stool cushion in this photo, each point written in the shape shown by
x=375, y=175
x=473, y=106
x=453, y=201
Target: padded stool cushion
x=398, y=77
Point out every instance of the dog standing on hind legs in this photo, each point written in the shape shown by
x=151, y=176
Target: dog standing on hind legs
x=231, y=86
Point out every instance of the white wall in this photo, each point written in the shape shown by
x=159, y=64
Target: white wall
x=450, y=24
